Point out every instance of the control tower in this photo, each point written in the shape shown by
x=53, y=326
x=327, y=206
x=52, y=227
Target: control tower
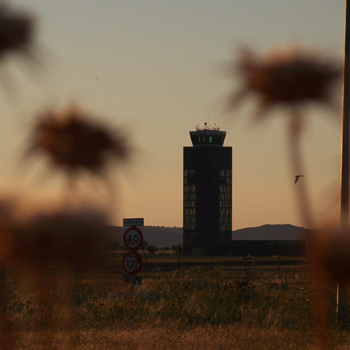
x=207, y=193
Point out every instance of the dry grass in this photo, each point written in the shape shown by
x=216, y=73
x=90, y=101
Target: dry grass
x=205, y=309
x=172, y=336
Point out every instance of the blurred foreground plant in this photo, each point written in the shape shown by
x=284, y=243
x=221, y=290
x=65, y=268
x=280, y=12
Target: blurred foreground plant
x=16, y=32
x=74, y=141
x=55, y=242
x=290, y=77
x=294, y=78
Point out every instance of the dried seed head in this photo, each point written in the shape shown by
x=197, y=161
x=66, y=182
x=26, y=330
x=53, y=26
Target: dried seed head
x=286, y=77
x=16, y=31
x=73, y=238
x=74, y=142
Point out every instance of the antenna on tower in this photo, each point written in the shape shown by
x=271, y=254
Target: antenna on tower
x=208, y=116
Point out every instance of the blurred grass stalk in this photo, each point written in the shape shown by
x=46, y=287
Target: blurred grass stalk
x=342, y=304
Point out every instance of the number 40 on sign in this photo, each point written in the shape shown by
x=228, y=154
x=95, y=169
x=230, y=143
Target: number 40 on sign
x=133, y=238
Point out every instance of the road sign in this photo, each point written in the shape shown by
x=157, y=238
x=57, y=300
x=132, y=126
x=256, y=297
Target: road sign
x=133, y=222
x=132, y=263
x=133, y=238
x=132, y=279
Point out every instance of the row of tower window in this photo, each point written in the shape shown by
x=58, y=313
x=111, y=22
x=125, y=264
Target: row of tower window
x=224, y=173
x=191, y=189
x=225, y=219
x=225, y=200
x=225, y=188
x=206, y=139
x=191, y=205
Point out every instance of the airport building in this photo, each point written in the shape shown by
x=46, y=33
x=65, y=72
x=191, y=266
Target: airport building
x=207, y=193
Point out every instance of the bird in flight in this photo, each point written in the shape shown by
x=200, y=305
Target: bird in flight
x=297, y=178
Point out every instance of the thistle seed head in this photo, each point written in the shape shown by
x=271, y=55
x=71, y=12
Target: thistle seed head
x=75, y=142
x=285, y=77
x=16, y=31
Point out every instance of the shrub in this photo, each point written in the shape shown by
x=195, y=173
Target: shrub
x=152, y=249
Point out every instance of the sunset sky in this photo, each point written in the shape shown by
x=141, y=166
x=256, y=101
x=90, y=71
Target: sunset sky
x=155, y=68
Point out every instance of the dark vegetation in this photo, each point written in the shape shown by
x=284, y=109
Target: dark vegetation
x=192, y=298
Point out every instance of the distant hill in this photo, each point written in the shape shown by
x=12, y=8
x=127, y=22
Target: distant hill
x=270, y=232
x=160, y=236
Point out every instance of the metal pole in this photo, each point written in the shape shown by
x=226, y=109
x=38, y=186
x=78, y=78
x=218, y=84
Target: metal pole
x=344, y=182
x=279, y=265
x=245, y=266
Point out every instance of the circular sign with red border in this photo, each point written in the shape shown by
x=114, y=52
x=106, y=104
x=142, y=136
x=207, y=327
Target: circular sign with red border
x=132, y=263
x=133, y=238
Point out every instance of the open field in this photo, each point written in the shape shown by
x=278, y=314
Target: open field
x=169, y=257
x=194, y=308
x=170, y=336
x=169, y=262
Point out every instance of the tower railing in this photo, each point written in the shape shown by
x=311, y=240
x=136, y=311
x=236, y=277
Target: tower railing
x=207, y=127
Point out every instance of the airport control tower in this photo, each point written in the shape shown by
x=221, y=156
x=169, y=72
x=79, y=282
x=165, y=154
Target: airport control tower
x=207, y=197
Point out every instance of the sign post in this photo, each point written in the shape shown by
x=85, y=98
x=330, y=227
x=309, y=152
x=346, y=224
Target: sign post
x=132, y=261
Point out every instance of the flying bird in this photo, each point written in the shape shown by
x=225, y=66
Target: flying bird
x=297, y=178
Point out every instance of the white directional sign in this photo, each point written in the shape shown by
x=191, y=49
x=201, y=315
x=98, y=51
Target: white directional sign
x=133, y=238
x=132, y=263
x=133, y=222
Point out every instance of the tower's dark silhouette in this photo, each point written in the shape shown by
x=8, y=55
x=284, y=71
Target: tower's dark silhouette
x=207, y=197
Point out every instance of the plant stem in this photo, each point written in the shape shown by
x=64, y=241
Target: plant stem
x=298, y=169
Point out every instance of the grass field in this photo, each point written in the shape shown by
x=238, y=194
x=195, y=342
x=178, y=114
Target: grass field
x=194, y=308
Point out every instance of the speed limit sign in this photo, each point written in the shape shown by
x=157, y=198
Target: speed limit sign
x=132, y=263
x=133, y=238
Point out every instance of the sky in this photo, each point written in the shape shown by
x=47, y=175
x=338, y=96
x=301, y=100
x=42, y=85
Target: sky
x=155, y=69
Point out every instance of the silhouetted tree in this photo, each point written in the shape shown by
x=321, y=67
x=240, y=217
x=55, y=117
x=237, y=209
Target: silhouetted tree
x=152, y=249
x=177, y=248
